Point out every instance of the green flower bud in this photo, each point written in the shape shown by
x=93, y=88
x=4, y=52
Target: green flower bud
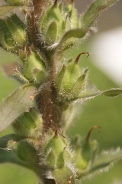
x=52, y=14
x=17, y=29
x=54, y=152
x=58, y=19
x=69, y=79
x=27, y=153
x=79, y=85
x=29, y=124
x=33, y=68
x=12, y=33
x=84, y=155
x=79, y=161
x=59, y=77
x=6, y=38
x=88, y=147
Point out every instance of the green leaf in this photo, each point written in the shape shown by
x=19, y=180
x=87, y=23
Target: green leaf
x=104, y=161
x=91, y=94
x=20, y=101
x=112, y=92
x=75, y=33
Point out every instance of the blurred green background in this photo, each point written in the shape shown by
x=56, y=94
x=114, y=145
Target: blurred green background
x=103, y=111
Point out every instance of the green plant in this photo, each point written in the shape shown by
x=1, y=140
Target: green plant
x=51, y=85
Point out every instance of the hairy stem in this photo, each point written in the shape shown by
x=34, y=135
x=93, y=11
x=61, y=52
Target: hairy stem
x=34, y=37
x=47, y=100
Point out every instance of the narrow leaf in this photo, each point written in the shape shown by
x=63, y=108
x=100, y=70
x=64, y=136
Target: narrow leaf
x=91, y=94
x=20, y=101
x=75, y=33
x=112, y=92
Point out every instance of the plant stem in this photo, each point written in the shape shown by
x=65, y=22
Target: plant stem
x=47, y=100
x=34, y=38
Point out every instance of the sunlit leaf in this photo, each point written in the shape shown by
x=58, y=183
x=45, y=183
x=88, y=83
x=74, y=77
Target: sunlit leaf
x=20, y=101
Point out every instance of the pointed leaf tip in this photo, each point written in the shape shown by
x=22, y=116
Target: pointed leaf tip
x=112, y=92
